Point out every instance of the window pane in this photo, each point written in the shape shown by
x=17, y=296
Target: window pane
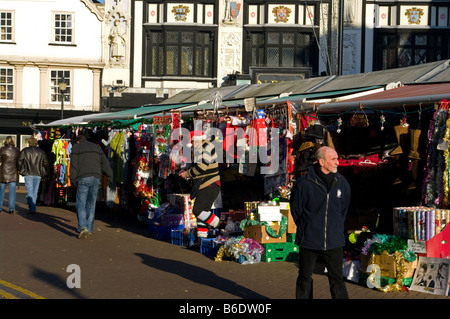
x=172, y=37
x=273, y=38
x=172, y=61
x=6, y=84
x=56, y=76
x=404, y=57
x=6, y=30
x=187, y=37
x=273, y=57
x=63, y=28
x=206, y=61
x=288, y=57
x=420, y=56
x=421, y=40
x=288, y=38
x=186, y=60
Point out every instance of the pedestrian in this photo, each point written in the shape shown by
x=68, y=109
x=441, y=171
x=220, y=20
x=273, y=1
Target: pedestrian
x=8, y=172
x=319, y=202
x=204, y=173
x=87, y=162
x=33, y=165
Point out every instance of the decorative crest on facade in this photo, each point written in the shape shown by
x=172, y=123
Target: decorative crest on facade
x=180, y=12
x=414, y=14
x=281, y=14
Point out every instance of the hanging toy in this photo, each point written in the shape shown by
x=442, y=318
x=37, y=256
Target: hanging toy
x=382, y=120
x=339, y=123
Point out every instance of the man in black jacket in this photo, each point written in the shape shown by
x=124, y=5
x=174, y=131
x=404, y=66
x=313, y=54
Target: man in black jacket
x=32, y=164
x=87, y=162
x=319, y=202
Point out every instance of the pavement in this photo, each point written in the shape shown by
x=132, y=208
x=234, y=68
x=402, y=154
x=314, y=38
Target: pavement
x=41, y=257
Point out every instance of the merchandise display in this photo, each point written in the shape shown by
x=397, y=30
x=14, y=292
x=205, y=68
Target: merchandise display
x=261, y=153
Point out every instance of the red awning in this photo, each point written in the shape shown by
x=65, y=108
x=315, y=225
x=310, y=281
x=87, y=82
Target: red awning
x=410, y=95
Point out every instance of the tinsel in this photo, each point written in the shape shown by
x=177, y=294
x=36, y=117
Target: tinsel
x=401, y=271
x=427, y=167
x=270, y=231
x=236, y=247
x=392, y=244
x=446, y=141
x=434, y=183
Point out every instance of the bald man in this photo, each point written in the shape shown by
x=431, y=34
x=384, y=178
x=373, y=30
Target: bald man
x=319, y=202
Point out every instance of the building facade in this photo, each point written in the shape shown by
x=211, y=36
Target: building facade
x=383, y=34
x=197, y=44
x=44, y=43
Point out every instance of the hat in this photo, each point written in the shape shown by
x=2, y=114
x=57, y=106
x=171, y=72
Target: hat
x=197, y=136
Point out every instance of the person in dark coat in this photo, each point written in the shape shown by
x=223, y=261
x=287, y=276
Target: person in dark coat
x=319, y=202
x=87, y=163
x=33, y=165
x=8, y=172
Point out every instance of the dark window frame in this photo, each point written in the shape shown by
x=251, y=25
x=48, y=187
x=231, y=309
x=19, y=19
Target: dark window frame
x=392, y=47
x=157, y=47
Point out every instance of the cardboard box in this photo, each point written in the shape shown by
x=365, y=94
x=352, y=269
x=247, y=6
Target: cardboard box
x=259, y=234
x=291, y=227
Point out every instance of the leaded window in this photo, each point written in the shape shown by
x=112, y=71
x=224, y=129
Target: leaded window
x=6, y=84
x=179, y=53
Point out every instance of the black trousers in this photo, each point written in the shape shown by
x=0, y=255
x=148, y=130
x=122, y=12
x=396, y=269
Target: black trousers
x=333, y=262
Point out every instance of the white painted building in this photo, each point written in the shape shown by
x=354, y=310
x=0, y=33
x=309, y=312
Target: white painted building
x=42, y=43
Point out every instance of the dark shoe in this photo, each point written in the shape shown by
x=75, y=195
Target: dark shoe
x=11, y=212
x=32, y=212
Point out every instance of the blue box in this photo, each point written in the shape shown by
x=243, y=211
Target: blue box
x=162, y=232
x=180, y=238
x=209, y=247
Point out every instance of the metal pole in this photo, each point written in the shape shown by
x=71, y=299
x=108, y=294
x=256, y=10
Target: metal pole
x=62, y=105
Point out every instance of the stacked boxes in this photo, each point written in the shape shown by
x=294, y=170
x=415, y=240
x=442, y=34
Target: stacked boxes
x=419, y=222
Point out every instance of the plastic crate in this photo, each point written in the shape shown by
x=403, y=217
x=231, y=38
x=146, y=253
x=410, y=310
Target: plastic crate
x=280, y=252
x=163, y=232
x=209, y=247
x=181, y=238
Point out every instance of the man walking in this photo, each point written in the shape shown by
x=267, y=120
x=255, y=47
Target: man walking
x=32, y=164
x=319, y=203
x=87, y=162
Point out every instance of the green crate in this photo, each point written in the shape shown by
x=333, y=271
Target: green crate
x=280, y=252
x=290, y=238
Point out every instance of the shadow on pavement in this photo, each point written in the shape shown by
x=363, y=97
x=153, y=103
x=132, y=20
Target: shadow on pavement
x=199, y=276
x=55, y=281
x=58, y=223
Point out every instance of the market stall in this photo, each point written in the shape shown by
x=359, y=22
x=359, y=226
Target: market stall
x=264, y=148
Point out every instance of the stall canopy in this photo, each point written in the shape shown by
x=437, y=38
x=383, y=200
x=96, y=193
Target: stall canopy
x=333, y=88
x=405, y=96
